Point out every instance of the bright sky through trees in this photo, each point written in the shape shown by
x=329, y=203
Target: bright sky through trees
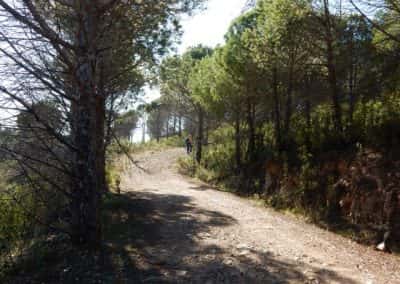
x=207, y=27
x=210, y=26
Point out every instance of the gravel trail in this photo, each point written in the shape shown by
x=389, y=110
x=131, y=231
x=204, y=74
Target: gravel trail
x=190, y=233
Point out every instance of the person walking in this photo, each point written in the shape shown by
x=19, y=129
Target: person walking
x=189, y=144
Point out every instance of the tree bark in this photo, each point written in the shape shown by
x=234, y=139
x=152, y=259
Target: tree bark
x=334, y=89
x=307, y=91
x=159, y=125
x=144, y=131
x=88, y=136
x=199, y=139
x=352, y=82
x=207, y=131
x=174, y=129
x=167, y=127
x=288, y=114
x=332, y=77
x=238, y=154
x=277, y=109
x=180, y=126
x=251, y=130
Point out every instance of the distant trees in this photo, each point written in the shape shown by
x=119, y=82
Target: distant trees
x=125, y=123
x=296, y=83
x=281, y=60
x=175, y=76
x=156, y=120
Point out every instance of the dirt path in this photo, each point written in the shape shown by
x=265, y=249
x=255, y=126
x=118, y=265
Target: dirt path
x=189, y=233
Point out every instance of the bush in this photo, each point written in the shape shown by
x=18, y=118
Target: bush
x=16, y=228
x=377, y=122
x=27, y=214
x=310, y=165
x=187, y=166
x=219, y=158
x=170, y=142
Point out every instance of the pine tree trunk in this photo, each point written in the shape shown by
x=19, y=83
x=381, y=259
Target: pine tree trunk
x=251, y=131
x=352, y=83
x=337, y=109
x=144, y=131
x=332, y=76
x=167, y=127
x=307, y=91
x=88, y=125
x=288, y=114
x=180, y=126
x=277, y=110
x=199, y=134
x=238, y=155
x=174, y=130
x=159, y=126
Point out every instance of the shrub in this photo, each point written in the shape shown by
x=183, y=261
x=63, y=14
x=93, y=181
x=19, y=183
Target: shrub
x=187, y=166
x=16, y=228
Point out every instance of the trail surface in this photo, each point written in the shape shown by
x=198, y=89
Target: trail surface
x=186, y=232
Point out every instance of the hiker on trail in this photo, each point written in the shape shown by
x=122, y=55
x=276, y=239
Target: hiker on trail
x=189, y=144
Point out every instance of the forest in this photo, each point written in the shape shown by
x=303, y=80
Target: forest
x=298, y=109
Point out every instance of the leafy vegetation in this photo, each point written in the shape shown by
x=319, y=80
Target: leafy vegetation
x=70, y=72
x=300, y=107
x=292, y=103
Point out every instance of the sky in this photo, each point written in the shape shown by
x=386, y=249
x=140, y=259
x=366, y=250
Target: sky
x=207, y=27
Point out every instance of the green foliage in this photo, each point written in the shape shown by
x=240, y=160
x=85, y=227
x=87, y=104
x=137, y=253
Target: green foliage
x=176, y=72
x=320, y=135
x=113, y=176
x=16, y=226
x=24, y=220
x=187, y=166
x=218, y=165
x=298, y=85
x=152, y=145
x=12, y=221
x=125, y=123
x=219, y=158
x=376, y=122
x=115, y=150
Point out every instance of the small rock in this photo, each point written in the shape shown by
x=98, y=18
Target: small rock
x=313, y=281
x=244, y=252
x=209, y=257
x=228, y=261
x=242, y=246
x=181, y=273
x=153, y=279
x=205, y=235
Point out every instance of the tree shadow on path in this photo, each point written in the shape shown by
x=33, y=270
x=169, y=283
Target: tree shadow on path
x=158, y=238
